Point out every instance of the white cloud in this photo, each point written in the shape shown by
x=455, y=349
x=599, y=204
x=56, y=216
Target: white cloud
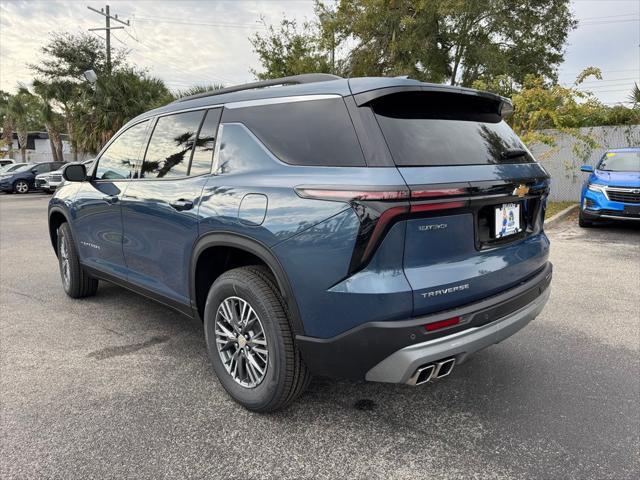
x=185, y=43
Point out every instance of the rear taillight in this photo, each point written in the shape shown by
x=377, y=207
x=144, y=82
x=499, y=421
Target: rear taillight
x=379, y=208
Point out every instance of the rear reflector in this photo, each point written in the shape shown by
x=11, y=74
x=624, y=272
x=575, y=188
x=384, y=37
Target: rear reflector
x=442, y=324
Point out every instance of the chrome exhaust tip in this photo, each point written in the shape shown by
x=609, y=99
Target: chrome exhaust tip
x=422, y=375
x=444, y=368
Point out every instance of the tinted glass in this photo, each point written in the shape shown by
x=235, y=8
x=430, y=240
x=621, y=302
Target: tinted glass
x=119, y=160
x=446, y=129
x=620, y=162
x=205, y=144
x=317, y=132
x=172, y=141
x=240, y=151
x=43, y=168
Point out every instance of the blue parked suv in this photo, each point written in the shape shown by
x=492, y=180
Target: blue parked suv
x=371, y=228
x=612, y=190
x=22, y=179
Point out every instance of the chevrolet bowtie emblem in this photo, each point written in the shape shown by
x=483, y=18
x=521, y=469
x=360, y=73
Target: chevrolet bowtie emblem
x=521, y=190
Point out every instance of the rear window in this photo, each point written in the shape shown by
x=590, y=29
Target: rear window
x=313, y=132
x=430, y=128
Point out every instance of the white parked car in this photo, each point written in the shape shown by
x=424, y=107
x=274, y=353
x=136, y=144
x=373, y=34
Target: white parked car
x=6, y=161
x=51, y=180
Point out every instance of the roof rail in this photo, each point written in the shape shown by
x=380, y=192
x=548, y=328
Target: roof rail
x=292, y=80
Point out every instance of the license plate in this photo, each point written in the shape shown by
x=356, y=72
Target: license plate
x=632, y=209
x=507, y=220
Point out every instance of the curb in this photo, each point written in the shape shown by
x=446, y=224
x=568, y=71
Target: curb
x=558, y=217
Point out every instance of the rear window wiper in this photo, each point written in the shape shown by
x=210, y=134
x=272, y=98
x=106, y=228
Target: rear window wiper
x=513, y=153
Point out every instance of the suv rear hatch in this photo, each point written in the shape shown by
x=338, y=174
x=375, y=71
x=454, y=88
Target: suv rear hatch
x=476, y=194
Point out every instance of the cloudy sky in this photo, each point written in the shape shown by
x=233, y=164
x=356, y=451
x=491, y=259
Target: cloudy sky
x=187, y=43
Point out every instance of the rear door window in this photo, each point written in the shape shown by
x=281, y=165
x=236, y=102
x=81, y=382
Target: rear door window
x=432, y=128
x=169, y=151
x=205, y=144
x=311, y=132
x=119, y=159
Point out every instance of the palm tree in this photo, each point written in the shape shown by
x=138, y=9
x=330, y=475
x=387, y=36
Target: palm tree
x=197, y=89
x=66, y=94
x=117, y=99
x=49, y=117
x=634, y=96
x=7, y=122
x=19, y=112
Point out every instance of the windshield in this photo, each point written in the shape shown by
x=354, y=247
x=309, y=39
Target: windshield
x=620, y=162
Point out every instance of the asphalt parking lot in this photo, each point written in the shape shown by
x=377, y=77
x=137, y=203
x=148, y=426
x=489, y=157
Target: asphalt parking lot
x=117, y=386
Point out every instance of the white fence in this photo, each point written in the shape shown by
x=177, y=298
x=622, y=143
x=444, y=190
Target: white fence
x=563, y=161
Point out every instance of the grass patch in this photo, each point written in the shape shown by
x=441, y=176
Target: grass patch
x=555, y=207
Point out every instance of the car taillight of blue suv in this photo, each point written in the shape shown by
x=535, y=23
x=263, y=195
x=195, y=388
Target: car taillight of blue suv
x=370, y=228
x=612, y=190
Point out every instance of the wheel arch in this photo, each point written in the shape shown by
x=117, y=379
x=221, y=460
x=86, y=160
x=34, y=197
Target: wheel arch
x=215, y=240
x=57, y=216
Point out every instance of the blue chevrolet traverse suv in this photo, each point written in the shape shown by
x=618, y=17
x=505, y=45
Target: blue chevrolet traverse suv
x=370, y=228
x=612, y=190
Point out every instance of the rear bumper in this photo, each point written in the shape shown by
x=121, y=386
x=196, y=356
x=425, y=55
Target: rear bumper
x=401, y=365
x=392, y=351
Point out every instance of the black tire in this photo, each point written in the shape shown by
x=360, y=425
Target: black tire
x=582, y=222
x=79, y=284
x=21, y=186
x=286, y=375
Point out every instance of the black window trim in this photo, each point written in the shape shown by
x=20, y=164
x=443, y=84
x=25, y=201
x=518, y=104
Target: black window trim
x=93, y=178
x=154, y=122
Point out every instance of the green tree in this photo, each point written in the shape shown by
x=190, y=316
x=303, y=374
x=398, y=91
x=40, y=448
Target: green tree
x=114, y=101
x=286, y=50
x=67, y=56
x=23, y=110
x=51, y=119
x=634, y=96
x=7, y=123
x=540, y=106
x=196, y=89
x=453, y=41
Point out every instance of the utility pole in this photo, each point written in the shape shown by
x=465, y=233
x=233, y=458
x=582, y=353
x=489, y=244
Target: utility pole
x=107, y=15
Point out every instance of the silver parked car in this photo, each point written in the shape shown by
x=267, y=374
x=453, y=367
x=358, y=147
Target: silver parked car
x=51, y=180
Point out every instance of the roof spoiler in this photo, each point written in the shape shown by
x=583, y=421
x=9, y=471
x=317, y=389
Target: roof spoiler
x=504, y=105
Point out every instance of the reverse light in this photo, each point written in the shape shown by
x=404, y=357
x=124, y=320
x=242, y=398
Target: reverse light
x=430, y=327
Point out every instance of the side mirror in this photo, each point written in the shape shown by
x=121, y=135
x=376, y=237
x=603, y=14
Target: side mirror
x=586, y=168
x=74, y=172
x=34, y=170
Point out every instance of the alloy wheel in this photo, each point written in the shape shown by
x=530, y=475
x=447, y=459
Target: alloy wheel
x=65, y=266
x=22, y=187
x=241, y=342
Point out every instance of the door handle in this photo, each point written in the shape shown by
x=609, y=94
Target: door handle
x=110, y=199
x=182, y=204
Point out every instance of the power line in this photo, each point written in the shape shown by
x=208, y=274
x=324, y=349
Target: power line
x=108, y=17
x=203, y=24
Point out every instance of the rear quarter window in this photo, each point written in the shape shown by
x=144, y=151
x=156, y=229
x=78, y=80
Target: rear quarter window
x=311, y=133
x=432, y=128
